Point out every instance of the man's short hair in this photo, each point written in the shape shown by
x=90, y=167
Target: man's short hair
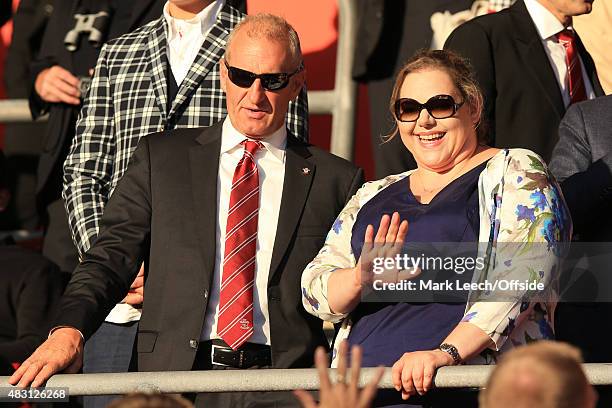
x=544, y=374
x=271, y=27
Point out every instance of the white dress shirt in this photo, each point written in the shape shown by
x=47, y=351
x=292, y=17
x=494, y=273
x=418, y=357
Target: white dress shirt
x=185, y=37
x=548, y=26
x=270, y=162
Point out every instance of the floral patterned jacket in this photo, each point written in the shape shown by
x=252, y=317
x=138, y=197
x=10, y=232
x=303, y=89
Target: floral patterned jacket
x=520, y=203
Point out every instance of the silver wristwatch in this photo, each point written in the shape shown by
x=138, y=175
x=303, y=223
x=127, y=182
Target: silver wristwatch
x=452, y=351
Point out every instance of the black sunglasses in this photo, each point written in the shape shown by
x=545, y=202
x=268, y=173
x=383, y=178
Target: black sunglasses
x=269, y=82
x=439, y=106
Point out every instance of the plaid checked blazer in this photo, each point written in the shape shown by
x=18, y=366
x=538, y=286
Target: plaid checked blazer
x=128, y=100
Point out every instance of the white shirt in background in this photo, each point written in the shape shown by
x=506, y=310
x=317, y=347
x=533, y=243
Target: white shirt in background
x=185, y=37
x=548, y=26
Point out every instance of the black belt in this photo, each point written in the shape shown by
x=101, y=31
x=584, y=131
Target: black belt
x=249, y=354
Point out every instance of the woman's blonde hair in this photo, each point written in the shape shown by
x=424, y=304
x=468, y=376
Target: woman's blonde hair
x=460, y=72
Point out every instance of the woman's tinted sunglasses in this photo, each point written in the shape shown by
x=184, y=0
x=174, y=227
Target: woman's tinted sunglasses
x=269, y=82
x=439, y=106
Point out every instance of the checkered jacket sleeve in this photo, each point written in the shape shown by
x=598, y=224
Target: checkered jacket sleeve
x=89, y=166
x=127, y=100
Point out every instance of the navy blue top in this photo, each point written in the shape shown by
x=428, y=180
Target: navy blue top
x=387, y=330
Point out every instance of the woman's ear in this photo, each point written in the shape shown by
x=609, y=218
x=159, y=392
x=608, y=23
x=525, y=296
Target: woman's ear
x=476, y=107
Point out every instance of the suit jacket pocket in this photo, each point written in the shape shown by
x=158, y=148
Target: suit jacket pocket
x=146, y=341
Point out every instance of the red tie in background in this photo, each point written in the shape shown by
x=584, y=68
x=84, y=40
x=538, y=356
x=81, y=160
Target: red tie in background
x=235, y=325
x=577, y=90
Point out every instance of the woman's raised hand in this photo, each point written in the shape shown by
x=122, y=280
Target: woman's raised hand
x=379, y=252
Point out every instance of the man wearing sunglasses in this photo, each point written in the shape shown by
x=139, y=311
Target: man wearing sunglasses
x=229, y=217
x=162, y=76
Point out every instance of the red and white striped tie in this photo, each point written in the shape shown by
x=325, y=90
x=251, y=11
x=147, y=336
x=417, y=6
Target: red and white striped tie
x=577, y=90
x=235, y=324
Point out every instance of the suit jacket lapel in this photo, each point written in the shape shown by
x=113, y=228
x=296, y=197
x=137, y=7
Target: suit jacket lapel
x=210, y=53
x=534, y=55
x=204, y=163
x=299, y=174
x=158, y=64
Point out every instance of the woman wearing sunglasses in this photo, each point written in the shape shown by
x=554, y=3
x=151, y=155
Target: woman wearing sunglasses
x=462, y=191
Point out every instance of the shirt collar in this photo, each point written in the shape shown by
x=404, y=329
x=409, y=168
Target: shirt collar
x=205, y=18
x=546, y=23
x=276, y=143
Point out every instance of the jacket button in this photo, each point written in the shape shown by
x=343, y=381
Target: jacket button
x=205, y=294
x=193, y=344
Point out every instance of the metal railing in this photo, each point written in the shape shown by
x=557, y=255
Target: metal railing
x=339, y=102
x=266, y=380
x=342, y=100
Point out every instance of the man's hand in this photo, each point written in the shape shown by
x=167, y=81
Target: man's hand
x=341, y=394
x=135, y=295
x=63, y=351
x=57, y=84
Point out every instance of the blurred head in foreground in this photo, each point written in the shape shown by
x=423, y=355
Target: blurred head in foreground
x=544, y=374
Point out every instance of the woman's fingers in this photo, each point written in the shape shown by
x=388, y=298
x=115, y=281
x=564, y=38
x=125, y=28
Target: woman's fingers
x=428, y=374
x=393, y=228
x=369, y=234
x=417, y=376
x=383, y=228
x=396, y=374
x=407, y=383
x=402, y=232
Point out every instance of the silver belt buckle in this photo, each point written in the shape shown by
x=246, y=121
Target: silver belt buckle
x=212, y=355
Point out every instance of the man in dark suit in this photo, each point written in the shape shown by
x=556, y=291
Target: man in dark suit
x=162, y=76
x=582, y=162
x=530, y=65
x=225, y=255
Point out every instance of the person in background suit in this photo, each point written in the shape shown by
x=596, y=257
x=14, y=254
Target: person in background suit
x=521, y=56
x=22, y=141
x=228, y=217
x=582, y=162
x=596, y=33
x=60, y=78
x=30, y=289
x=59, y=81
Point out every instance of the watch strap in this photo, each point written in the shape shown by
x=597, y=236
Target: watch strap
x=452, y=351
